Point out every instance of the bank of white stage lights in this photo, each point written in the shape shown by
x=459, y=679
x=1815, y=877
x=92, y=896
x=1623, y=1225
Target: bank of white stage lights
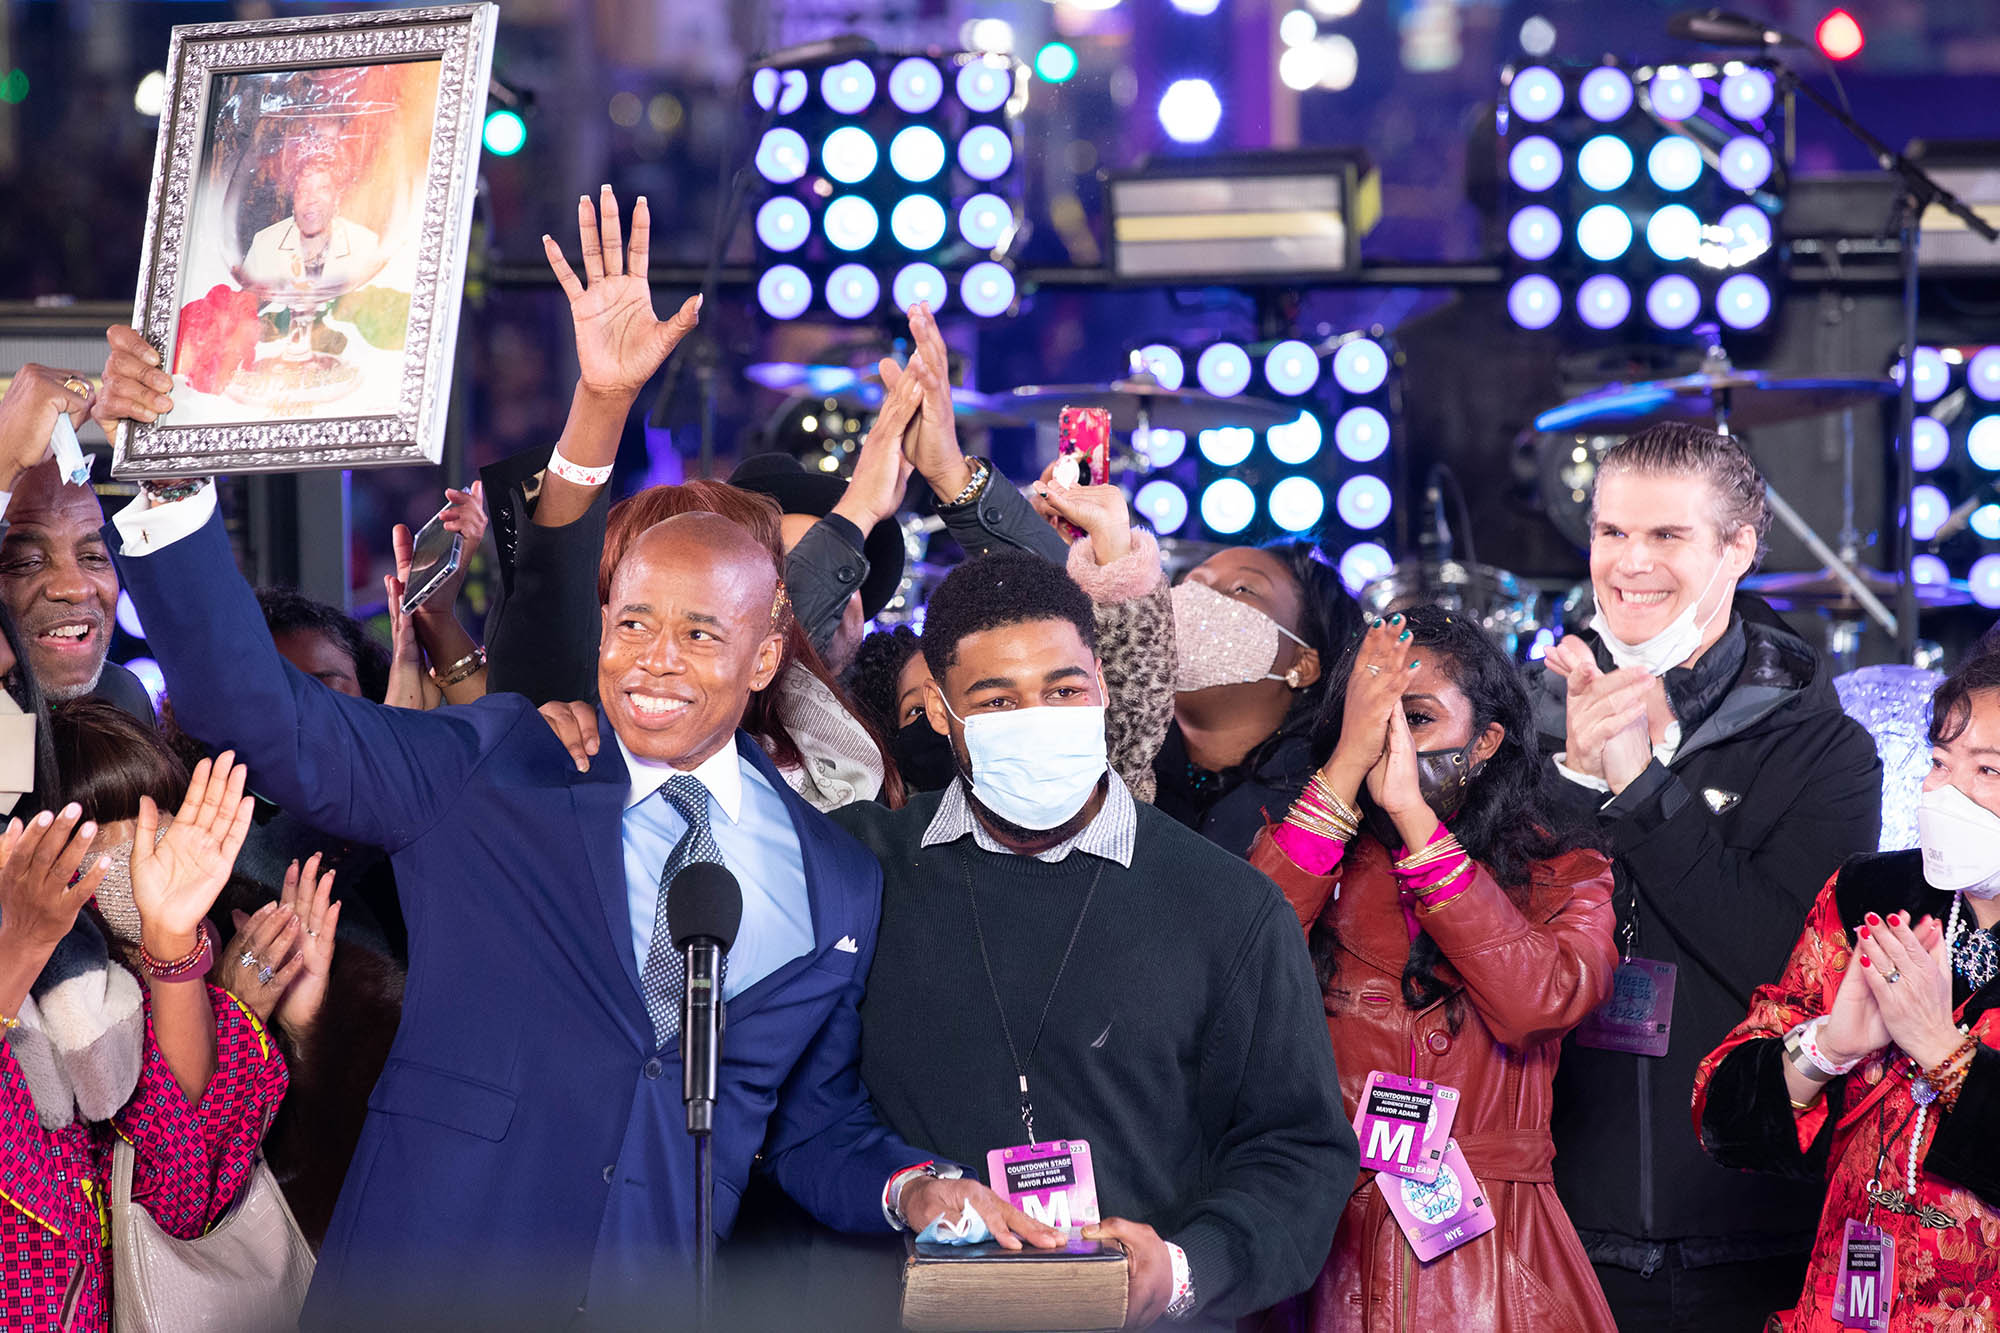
x=1957, y=460
x=1326, y=473
x=1642, y=200
x=888, y=180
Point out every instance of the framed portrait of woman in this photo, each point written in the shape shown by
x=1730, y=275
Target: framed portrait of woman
x=306, y=239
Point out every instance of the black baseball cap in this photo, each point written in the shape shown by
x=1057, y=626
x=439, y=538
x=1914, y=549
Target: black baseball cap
x=799, y=490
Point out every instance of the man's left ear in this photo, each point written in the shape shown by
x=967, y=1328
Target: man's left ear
x=1743, y=550
x=770, y=656
x=1488, y=744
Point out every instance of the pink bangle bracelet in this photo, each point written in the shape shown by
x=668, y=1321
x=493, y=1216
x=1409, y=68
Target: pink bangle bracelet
x=191, y=968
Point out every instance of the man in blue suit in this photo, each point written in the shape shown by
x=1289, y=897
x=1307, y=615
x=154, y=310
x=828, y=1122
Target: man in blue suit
x=524, y=1158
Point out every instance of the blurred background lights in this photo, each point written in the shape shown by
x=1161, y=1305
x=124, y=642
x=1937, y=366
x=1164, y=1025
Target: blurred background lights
x=1675, y=93
x=1743, y=301
x=852, y=291
x=1223, y=369
x=851, y=222
x=1363, y=502
x=1932, y=374
x=916, y=153
x=1198, y=8
x=782, y=223
x=987, y=289
x=1165, y=364
x=996, y=35
x=1361, y=434
x=1982, y=443
x=1840, y=37
x=984, y=84
x=849, y=154
x=1291, y=367
x=1604, y=232
x=1226, y=446
x=1982, y=373
x=1535, y=163
x=985, y=152
x=1534, y=301
x=1227, y=506
x=1537, y=35
x=1928, y=509
x=1164, y=448
x=505, y=132
x=781, y=156
x=914, y=85
x=1190, y=112
x=1931, y=443
x=919, y=282
x=1056, y=63
x=1535, y=232
x=1363, y=563
x=1296, y=504
x=1749, y=229
x=1673, y=233
x=767, y=83
x=1674, y=163
x=1747, y=94
x=1605, y=94
x=985, y=220
x=1162, y=504
x=1360, y=366
x=1297, y=28
x=1930, y=569
x=1985, y=522
x=784, y=291
x=151, y=94
x=1673, y=301
x=1603, y=301
x=1536, y=93
x=847, y=87
x=1983, y=580
x=917, y=222
x=1297, y=441
x=1745, y=162
x=1604, y=162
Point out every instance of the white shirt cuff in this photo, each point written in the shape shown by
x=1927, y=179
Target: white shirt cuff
x=144, y=526
x=1580, y=779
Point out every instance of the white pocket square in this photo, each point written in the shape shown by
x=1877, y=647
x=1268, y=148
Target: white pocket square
x=846, y=944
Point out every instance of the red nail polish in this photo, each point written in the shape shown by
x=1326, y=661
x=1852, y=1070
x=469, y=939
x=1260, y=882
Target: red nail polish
x=1864, y=960
x=1864, y=932
x=1874, y=920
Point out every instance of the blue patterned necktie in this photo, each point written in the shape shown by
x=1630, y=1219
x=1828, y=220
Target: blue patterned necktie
x=665, y=977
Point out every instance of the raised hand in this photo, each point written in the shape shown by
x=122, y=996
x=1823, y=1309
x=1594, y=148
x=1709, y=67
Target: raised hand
x=260, y=960
x=619, y=340
x=28, y=415
x=1854, y=1027
x=464, y=514
x=135, y=387
x=1910, y=978
x=410, y=685
x=176, y=878
x=1394, y=785
x=933, y=445
x=1382, y=668
x=1099, y=512
x=881, y=471
x=308, y=897
x=40, y=893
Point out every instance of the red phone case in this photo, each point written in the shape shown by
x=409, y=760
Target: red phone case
x=1085, y=432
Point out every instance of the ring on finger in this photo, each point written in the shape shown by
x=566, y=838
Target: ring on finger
x=1894, y=977
x=1374, y=670
x=78, y=385
x=264, y=975
x=246, y=959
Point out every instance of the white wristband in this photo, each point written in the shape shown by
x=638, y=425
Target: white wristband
x=575, y=473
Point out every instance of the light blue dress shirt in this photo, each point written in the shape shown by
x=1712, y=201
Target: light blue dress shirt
x=759, y=845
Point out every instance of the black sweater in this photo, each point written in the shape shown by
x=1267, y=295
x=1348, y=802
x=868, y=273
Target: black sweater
x=1187, y=1041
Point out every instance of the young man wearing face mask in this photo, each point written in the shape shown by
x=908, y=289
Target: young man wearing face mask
x=1706, y=741
x=1059, y=962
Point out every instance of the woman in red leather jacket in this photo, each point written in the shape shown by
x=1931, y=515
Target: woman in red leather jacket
x=1458, y=939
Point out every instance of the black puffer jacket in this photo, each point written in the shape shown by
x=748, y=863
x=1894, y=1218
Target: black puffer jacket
x=1718, y=857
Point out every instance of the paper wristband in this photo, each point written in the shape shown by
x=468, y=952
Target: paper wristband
x=576, y=473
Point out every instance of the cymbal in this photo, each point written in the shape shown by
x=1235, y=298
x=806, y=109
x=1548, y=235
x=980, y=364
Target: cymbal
x=969, y=406
x=1823, y=590
x=1745, y=399
x=860, y=392
x=1168, y=409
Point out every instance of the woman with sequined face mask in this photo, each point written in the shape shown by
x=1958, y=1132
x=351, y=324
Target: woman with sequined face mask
x=1254, y=630
x=1458, y=935
x=1871, y=1059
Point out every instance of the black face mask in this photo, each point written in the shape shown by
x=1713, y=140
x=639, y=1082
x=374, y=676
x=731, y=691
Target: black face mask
x=1443, y=778
x=923, y=757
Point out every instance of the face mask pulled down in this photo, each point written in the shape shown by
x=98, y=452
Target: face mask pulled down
x=1221, y=641
x=1961, y=843
x=1671, y=646
x=1035, y=767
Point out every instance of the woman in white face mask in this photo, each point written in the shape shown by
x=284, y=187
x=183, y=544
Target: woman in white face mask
x=1255, y=628
x=1871, y=1058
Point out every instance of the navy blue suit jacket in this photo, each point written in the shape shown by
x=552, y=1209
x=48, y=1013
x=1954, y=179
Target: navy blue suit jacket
x=525, y=1148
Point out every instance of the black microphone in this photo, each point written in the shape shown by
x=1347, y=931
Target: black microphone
x=825, y=51
x=704, y=909
x=1719, y=27
x=1960, y=518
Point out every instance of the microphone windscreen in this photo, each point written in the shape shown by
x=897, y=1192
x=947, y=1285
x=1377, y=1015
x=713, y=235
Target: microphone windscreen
x=704, y=902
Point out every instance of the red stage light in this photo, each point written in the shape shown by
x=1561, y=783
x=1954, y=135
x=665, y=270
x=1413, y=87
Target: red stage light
x=1839, y=35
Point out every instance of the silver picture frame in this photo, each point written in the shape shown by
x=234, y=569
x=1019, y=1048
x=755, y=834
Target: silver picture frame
x=411, y=401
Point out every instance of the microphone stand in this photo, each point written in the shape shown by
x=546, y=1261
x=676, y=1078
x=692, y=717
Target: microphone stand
x=1920, y=191
x=704, y=991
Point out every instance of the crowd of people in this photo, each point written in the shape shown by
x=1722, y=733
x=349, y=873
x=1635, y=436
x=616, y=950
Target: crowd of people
x=1211, y=876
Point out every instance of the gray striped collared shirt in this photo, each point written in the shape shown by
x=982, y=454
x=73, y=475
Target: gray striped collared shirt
x=1111, y=835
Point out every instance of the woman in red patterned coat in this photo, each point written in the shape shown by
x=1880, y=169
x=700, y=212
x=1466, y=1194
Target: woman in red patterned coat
x=1871, y=1061
x=171, y=1064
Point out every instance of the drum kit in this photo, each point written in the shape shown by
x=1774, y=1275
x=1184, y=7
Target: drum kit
x=1574, y=434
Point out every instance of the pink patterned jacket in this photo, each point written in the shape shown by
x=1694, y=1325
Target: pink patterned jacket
x=55, y=1219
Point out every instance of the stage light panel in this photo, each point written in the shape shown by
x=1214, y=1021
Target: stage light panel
x=1362, y=563
x=1930, y=569
x=1223, y=369
x=853, y=291
x=781, y=156
x=847, y=87
x=1748, y=93
x=1928, y=509
x=1363, y=502
x=985, y=152
x=1162, y=447
x=1743, y=301
x=1673, y=301
x=1675, y=93
x=987, y=289
x=1604, y=163
x=1536, y=94
x=851, y=222
x=784, y=291
x=1604, y=232
x=1603, y=301
x=783, y=223
x=1534, y=301
x=1163, y=504
x=1297, y=441
x=849, y=154
x=1296, y=504
x=1933, y=375
x=1361, y=434
x=1982, y=374
x=789, y=87
x=1190, y=111
x=916, y=153
x=1360, y=365
x=1674, y=163
x=1749, y=229
x=917, y=222
x=1930, y=443
x=1535, y=232
x=1535, y=163
x=1605, y=94
x=919, y=282
x=1745, y=162
x=983, y=84
x=1227, y=506
x=1982, y=443
x=915, y=85
x=1986, y=522
x=1226, y=446
x=1291, y=367
x=1165, y=364
x=1673, y=233
x=985, y=221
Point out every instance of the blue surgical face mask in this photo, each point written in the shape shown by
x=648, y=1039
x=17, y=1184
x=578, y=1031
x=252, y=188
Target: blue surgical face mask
x=1035, y=767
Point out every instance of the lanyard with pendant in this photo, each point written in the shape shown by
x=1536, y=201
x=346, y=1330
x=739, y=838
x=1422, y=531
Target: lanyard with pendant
x=1021, y=1064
